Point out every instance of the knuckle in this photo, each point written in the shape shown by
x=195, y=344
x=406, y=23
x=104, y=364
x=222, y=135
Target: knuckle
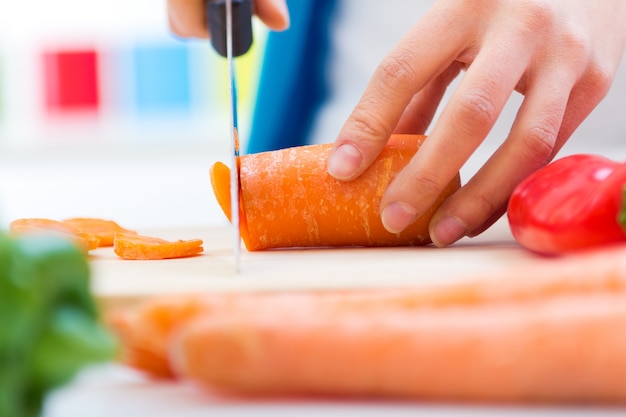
x=537, y=15
x=397, y=73
x=539, y=142
x=599, y=80
x=366, y=124
x=475, y=112
x=484, y=205
x=426, y=185
x=576, y=44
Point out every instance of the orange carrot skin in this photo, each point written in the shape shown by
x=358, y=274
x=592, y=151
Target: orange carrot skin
x=136, y=247
x=564, y=349
x=289, y=200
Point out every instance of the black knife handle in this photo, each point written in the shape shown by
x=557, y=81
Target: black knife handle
x=241, y=11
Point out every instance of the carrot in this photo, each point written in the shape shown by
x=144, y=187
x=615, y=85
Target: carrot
x=133, y=246
x=103, y=229
x=136, y=352
x=289, y=200
x=554, y=332
x=145, y=333
x=568, y=349
x=85, y=241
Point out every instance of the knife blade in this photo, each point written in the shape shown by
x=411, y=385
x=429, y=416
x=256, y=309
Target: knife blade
x=230, y=27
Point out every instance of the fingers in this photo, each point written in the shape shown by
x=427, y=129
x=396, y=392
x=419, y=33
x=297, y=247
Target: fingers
x=403, y=73
x=584, y=97
x=464, y=123
x=187, y=17
x=420, y=112
x=530, y=145
x=563, y=69
x=556, y=102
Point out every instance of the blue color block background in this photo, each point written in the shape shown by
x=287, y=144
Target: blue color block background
x=161, y=78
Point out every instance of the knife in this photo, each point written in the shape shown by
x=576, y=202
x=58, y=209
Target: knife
x=230, y=28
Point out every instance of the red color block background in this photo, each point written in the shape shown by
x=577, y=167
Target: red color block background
x=71, y=81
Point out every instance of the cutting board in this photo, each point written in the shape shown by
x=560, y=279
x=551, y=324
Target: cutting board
x=118, y=282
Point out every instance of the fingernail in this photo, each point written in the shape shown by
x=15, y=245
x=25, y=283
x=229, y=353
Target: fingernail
x=344, y=161
x=447, y=231
x=397, y=216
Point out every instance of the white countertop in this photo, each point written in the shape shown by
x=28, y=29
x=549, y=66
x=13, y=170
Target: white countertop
x=115, y=391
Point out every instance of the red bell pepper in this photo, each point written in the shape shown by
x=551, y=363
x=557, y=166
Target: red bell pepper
x=574, y=203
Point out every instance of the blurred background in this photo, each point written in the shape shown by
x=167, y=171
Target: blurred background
x=104, y=113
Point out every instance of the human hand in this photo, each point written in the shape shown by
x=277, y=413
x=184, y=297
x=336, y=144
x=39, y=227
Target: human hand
x=187, y=19
x=561, y=55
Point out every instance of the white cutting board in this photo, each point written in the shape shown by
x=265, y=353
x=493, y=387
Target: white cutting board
x=117, y=281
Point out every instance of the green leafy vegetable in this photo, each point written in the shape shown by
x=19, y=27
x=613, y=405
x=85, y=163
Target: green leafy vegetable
x=49, y=324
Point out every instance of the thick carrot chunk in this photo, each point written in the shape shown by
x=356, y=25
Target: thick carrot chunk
x=288, y=199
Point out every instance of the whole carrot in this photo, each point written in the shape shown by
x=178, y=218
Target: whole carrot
x=146, y=332
x=560, y=349
x=556, y=299
x=289, y=200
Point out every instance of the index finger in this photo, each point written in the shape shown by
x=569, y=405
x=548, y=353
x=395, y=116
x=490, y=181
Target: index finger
x=424, y=53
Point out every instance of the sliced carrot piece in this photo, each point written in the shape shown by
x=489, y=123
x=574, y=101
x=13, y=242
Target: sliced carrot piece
x=289, y=200
x=133, y=246
x=85, y=241
x=220, y=181
x=103, y=229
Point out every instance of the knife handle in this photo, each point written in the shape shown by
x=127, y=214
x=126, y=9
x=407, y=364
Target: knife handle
x=241, y=25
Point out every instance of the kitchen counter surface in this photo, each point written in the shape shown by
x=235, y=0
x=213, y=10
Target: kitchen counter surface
x=115, y=391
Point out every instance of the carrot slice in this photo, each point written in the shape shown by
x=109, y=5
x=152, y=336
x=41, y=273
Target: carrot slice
x=133, y=246
x=85, y=241
x=220, y=181
x=289, y=200
x=103, y=229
